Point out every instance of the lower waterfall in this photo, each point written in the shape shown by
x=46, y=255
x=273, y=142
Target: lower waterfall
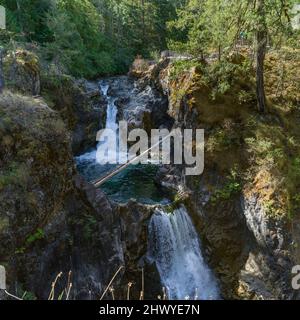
x=175, y=248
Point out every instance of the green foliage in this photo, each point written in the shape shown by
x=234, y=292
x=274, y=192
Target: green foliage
x=20, y=250
x=97, y=37
x=78, y=43
x=245, y=97
x=225, y=139
x=139, y=25
x=293, y=185
x=181, y=66
x=88, y=38
x=89, y=227
x=266, y=151
x=31, y=239
x=205, y=26
x=223, y=75
x=232, y=187
x=27, y=295
x=296, y=168
x=38, y=235
x=23, y=294
x=27, y=18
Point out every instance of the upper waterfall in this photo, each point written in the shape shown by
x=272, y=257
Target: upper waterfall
x=112, y=110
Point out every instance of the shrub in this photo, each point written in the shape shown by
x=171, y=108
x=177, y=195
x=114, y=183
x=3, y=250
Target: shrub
x=232, y=187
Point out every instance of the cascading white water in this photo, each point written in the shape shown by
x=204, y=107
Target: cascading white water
x=175, y=247
x=111, y=115
x=104, y=88
x=112, y=110
x=173, y=242
x=111, y=122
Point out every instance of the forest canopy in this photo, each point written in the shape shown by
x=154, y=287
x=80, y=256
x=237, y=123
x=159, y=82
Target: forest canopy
x=88, y=38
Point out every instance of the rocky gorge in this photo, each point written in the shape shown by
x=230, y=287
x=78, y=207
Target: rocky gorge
x=52, y=218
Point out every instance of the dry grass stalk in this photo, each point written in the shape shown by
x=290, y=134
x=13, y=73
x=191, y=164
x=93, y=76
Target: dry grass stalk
x=111, y=281
x=128, y=290
x=143, y=285
x=52, y=292
x=112, y=290
x=69, y=285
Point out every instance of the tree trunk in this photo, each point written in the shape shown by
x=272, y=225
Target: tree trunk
x=143, y=23
x=261, y=43
x=19, y=15
x=1, y=73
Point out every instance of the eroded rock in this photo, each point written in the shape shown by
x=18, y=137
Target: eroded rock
x=51, y=220
x=22, y=72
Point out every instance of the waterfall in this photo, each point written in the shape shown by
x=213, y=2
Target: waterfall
x=111, y=115
x=112, y=110
x=111, y=119
x=104, y=88
x=175, y=248
x=111, y=123
x=173, y=243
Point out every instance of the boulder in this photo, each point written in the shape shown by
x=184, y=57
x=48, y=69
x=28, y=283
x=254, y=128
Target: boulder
x=22, y=72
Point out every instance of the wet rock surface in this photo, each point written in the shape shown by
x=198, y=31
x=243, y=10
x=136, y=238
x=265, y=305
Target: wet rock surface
x=141, y=106
x=134, y=221
x=81, y=105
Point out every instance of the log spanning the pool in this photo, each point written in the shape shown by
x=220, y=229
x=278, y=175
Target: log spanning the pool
x=183, y=148
x=180, y=146
x=99, y=182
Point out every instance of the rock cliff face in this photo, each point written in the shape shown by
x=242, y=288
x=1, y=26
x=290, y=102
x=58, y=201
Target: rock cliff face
x=140, y=104
x=79, y=102
x=238, y=206
x=267, y=272
x=81, y=106
x=50, y=221
x=134, y=224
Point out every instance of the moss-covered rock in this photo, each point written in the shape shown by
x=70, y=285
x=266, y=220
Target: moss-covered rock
x=50, y=219
x=22, y=72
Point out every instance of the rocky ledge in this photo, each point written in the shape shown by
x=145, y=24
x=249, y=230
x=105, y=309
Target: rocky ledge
x=51, y=221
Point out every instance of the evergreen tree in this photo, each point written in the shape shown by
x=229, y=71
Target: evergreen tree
x=212, y=26
x=92, y=37
x=261, y=46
